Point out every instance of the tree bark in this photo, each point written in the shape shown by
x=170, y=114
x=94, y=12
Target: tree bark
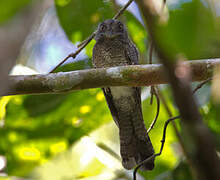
x=12, y=36
x=135, y=75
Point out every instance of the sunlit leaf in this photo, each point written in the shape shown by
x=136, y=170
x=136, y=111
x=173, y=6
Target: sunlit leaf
x=3, y=102
x=39, y=127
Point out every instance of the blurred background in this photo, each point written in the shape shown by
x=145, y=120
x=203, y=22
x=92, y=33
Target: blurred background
x=72, y=136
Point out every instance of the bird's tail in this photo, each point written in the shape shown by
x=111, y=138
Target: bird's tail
x=136, y=152
x=144, y=151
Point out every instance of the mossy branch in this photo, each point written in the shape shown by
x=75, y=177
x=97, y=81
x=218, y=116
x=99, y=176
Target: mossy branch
x=135, y=75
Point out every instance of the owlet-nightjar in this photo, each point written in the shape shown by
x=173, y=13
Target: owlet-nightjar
x=113, y=48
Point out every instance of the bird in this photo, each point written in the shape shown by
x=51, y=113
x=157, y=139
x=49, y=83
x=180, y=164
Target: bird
x=114, y=48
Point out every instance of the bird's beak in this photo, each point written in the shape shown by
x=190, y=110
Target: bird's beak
x=110, y=35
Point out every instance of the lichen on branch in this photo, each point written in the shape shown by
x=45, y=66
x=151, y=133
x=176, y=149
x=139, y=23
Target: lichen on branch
x=134, y=75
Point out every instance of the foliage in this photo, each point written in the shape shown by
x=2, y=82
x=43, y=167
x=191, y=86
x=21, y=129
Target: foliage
x=90, y=13
x=191, y=31
x=40, y=130
x=39, y=127
x=10, y=7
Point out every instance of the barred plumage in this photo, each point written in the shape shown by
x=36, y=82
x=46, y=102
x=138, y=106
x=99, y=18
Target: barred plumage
x=113, y=48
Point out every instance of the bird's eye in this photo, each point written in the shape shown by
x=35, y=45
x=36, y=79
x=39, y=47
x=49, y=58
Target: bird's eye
x=102, y=27
x=120, y=25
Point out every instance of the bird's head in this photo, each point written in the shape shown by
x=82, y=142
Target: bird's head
x=111, y=29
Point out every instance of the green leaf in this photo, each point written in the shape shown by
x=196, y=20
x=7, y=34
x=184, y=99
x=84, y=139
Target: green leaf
x=137, y=32
x=77, y=65
x=80, y=18
x=182, y=172
x=38, y=127
x=169, y=158
x=10, y=7
x=190, y=31
x=211, y=114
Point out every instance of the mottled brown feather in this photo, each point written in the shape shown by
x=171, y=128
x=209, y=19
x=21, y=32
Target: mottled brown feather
x=113, y=48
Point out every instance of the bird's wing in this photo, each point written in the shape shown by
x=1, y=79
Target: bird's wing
x=110, y=102
x=131, y=53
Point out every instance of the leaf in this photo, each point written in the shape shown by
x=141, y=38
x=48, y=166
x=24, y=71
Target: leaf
x=85, y=159
x=38, y=127
x=190, y=31
x=80, y=18
x=76, y=65
x=169, y=158
x=182, y=171
x=211, y=114
x=137, y=32
x=10, y=7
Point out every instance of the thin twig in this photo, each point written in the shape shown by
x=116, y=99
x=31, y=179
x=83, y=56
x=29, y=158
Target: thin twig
x=204, y=155
x=164, y=134
x=161, y=148
x=119, y=13
x=163, y=100
x=115, y=6
x=115, y=17
x=151, y=48
x=84, y=43
x=60, y=63
x=158, y=109
x=153, y=91
x=201, y=84
x=73, y=55
x=123, y=9
x=151, y=94
x=87, y=40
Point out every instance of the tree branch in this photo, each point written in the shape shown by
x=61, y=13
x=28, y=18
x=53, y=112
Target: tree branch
x=135, y=75
x=197, y=138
